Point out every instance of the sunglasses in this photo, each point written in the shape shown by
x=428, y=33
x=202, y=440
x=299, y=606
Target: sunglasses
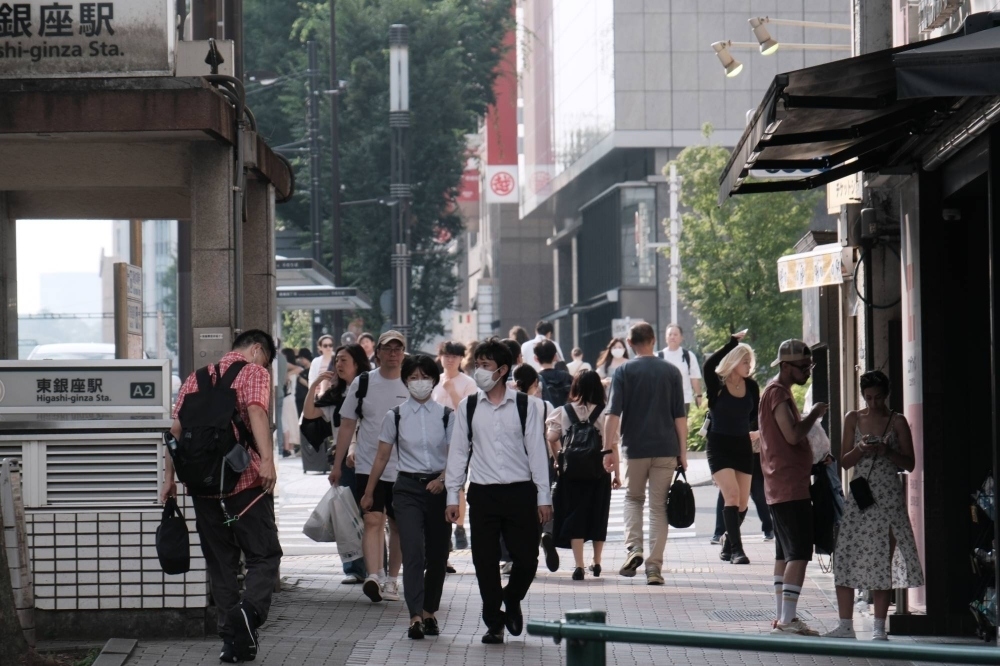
x=799, y=366
x=326, y=346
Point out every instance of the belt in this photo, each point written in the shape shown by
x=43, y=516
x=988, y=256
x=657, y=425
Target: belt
x=420, y=477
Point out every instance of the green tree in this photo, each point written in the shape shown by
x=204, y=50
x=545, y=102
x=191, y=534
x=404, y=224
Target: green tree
x=169, y=284
x=455, y=48
x=296, y=329
x=729, y=255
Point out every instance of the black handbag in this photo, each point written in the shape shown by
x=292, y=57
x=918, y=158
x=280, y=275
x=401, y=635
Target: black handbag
x=860, y=490
x=173, y=547
x=680, y=502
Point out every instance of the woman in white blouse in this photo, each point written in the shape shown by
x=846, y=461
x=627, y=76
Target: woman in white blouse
x=581, y=506
x=420, y=429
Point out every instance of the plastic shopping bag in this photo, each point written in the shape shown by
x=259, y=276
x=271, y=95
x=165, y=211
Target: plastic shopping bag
x=319, y=527
x=819, y=442
x=347, y=524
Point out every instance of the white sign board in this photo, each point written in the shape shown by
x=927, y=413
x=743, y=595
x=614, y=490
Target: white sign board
x=620, y=327
x=501, y=183
x=54, y=39
x=847, y=190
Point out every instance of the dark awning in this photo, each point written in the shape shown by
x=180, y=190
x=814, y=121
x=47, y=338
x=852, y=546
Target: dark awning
x=967, y=66
x=834, y=119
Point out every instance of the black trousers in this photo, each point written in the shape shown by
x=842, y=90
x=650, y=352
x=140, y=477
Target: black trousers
x=510, y=511
x=255, y=535
x=424, y=536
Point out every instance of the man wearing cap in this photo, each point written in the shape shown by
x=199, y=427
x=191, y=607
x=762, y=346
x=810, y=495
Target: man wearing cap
x=786, y=460
x=380, y=391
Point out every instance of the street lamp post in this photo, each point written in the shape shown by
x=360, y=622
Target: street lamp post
x=314, y=170
x=399, y=186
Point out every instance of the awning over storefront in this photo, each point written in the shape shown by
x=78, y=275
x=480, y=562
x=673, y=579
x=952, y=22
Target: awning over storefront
x=603, y=298
x=816, y=268
x=963, y=67
x=842, y=117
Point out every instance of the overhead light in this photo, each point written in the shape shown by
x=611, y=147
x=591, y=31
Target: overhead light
x=732, y=65
x=767, y=44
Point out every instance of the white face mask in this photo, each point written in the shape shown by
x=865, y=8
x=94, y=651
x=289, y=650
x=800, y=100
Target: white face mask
x=420, y=388
x=484, y=379
x=618, y=352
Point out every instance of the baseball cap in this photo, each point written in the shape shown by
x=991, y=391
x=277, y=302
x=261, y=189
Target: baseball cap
x=392, y=334
x=791, y=351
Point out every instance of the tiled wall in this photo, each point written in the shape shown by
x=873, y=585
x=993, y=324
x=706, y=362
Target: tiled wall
x=107, y=560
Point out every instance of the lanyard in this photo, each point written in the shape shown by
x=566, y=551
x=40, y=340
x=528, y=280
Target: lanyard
x=229, y=520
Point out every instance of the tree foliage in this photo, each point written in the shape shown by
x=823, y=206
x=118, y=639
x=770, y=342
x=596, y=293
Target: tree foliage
x=296, y=329
x=455, y=47
x=729, y=256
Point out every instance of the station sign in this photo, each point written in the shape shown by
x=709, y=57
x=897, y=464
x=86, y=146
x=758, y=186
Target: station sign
x=93, y=387
x=55, y=39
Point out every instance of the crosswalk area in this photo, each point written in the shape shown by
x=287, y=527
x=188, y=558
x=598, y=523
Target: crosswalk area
x=299, y=493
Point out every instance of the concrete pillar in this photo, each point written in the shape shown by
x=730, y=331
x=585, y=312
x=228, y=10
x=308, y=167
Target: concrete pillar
x=8, y=282
x=259, y=279
x=212, y=280
x=872, y=22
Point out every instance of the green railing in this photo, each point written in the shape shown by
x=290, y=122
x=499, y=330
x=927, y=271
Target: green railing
x=587, y=634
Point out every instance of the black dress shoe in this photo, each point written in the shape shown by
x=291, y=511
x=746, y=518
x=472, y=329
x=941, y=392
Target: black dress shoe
x=739, y=557
x=595, y=569
x=551, y=555
x=493, y=637
x=514, y=620
x=228, y=653
x=431, y=627
x=416, y=630
x=578, y=573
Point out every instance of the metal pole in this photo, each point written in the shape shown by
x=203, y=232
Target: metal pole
x=582, y=652
x=335, y=238
x=399, y=187
x=675, y=237
x=993, y=184
x=314, y=150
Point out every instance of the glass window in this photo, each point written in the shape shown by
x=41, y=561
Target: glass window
x=638, y=230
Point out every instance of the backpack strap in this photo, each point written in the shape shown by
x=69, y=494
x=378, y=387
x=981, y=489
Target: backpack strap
x=362, y=392
x=396, y=416
x=686, y=355
x=447, y=415
x=594, y=415
x=522, y=413
x=204, y=379
x=226, y=380
x=571, y=414
x=470, y=411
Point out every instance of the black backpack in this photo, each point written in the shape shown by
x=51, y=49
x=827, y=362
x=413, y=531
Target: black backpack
x=685, y=354
x=555, y=386
x=173, y=547
x=362, y=392
x=207, y=417
x=582, y=455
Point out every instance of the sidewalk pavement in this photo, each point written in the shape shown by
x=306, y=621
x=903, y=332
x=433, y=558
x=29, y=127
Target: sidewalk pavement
x=316, y=620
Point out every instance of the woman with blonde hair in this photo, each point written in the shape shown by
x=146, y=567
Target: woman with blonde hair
x=733, y=398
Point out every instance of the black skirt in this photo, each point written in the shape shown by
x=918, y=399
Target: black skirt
x=581, y=510
x=729, y=452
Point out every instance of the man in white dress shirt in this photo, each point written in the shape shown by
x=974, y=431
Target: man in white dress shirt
x=543, y=331
x=507, y=466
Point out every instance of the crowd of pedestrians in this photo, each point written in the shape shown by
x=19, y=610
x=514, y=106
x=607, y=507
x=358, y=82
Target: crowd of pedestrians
x=533, y=446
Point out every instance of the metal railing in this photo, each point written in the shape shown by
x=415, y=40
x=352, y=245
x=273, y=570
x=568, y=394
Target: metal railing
x=587, y=634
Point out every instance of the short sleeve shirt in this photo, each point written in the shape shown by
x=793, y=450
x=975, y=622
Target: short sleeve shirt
x=646, y=393
x=383, y=394
x=422, y=442
x=464, y=386
x=253, y=387
x=787, y=467
x=676, y=358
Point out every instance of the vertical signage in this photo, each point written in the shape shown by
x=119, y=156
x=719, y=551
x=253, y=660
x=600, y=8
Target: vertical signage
x=128, y=310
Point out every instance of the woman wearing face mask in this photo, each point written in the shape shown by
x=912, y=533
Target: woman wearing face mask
x=421, y=430
x=614, y=355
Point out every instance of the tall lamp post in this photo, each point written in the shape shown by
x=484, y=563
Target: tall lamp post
x=399, y=186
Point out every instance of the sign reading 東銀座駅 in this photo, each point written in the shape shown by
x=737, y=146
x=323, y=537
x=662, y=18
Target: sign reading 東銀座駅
x=53, y=39
x=84, y=386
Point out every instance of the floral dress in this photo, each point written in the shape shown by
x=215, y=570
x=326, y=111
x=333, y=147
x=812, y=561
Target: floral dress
x=861, y=558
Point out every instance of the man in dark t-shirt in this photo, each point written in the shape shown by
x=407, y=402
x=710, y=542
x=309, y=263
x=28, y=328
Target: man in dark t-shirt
x=786, y=460
x=647, y=403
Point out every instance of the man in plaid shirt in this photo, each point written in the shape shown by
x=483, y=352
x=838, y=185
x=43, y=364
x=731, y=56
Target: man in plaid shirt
x=254, y=533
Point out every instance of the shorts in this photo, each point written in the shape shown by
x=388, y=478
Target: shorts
x=381, y=496
x=793, y=530
x=729, y=452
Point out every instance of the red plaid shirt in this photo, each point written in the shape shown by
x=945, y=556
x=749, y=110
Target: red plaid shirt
x=253, y=387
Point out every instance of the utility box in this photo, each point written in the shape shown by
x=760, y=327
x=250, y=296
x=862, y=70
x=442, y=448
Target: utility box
x=211, y=344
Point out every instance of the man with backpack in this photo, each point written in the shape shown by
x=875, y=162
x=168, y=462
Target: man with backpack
x=498, y=444
x=369, y=398
x=685, y=361
x=555, y=383
x=220, y=445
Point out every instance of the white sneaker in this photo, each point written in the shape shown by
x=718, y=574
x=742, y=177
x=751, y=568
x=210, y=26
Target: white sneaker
x=796, y=627
x=880, y=636
x=372, y=589
x=841, y=632
x=390, y=590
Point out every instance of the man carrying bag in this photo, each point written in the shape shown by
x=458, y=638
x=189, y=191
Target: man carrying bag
x=220, y=444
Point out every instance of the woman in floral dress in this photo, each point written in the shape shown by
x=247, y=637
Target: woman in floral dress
x=875, y=546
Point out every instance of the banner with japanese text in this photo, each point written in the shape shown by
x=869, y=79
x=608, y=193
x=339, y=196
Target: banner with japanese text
x=52, y=39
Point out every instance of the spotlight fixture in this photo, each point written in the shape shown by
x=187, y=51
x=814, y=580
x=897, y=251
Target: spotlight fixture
x=767, y=43
x=732, y=65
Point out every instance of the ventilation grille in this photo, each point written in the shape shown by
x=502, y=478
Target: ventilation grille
x=102, y=473
x=757, y=615
x=9, y=450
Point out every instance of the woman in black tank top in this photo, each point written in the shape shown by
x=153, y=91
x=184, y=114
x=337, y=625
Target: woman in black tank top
x=733, y=397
